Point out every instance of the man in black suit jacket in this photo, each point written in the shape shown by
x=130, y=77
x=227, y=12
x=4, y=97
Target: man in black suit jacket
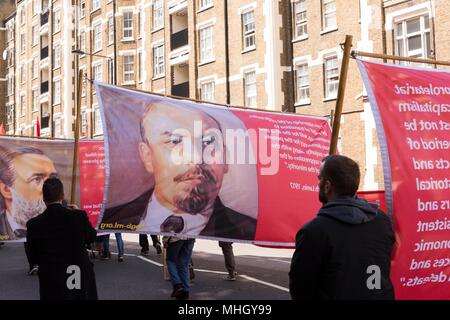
x=57, y=242
x=183, y=148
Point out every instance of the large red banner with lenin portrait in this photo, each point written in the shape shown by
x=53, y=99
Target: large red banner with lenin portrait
x=175, y=167
x=412, y=113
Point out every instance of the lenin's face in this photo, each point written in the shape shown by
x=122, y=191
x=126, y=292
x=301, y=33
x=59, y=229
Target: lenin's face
x=183, y=186
x=25, y=195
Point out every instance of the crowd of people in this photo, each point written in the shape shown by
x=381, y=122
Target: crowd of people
x=333, y=251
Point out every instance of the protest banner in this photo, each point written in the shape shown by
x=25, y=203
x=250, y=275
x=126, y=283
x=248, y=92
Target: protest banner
x=411, y=107
x=204, y=171
x=25, y=163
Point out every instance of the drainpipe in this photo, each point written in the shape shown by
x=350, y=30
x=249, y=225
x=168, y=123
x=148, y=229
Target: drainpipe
x=115, y=42
x=227, y=53
x=290, y=59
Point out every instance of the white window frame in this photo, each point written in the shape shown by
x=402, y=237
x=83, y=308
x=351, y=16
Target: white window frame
x=141, y=67
x=206, y=95
x=84, y=123
x=97, y=68
x=83, y=40
x=127, y=32
x=36, y=7
x=22, y=43
x=250, y=101
x=326, y=13
x=23, y=104
x=57, y=127
x=128, y=69
x=300, y=19
x=22, y=75
x=247, y=32
x=403, y=38
x=206, y=44
x=82, y=8
x=97, y=36
x=331, y=77
x=110, y=29
x=302, y=90
x=35, y=31
x=111, y=75
x=35, y=67
x=205, y=4
x=95, y=5
x=35, y=96
x=98, y=129
x=83, y=84
x=56, y=97
x=57, y=20
x=56, y=56
x=158, y=14
x=158, y=61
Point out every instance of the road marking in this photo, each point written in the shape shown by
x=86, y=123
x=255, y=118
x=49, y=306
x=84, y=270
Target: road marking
x=210, y=271
x=278, y=260
x=265, y=283
x=149, y=261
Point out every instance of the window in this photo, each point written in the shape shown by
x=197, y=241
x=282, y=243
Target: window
x=412, y=38
x=110, y=29
x=22, y=16
x=248, y=30
x=328, y=14
x=83, y=85
x=35, y=67
x=95, y=4
x=97, y=36
x=97, y=72
x=23, y=105
x=57, y=56
x=300, y=18
x=83, y=123
x=56, y=92
x=158, y=14
x=250, y=89
x=83, y=41
x=57, y=20
x=57, y=127
x=128, y=68
x=128, y=25
x=82, y=8
x=22, y=74
x=35, y=6
x=206, y=44
x=141, y=67
x=302, y=81
x=141, y=22
x=22, y=43
x=97, y=121
x=203, y=4
x=35, y=32
x=207, y=91
x=10, y=85
x=10, y=113
x=35, y=94
x=331, y=77
x=158, y=61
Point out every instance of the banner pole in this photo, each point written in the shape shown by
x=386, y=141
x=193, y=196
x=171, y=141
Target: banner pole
x=77, y=138
x=356, y=54
x=341, y=94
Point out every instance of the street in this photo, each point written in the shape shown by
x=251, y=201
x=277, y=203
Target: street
x=262, y=274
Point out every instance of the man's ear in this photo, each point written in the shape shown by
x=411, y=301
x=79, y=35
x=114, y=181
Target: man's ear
x=5, y=191
x=145, y=152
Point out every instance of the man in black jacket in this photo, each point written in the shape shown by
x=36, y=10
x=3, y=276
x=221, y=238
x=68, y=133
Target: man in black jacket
x=57, y=242
x=337, y=252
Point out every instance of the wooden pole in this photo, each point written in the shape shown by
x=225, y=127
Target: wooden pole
x=398, y=58
x=341, y=94
x=77, y=138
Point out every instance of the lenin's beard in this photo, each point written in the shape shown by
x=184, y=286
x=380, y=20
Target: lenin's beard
x=23, y=209
x=197, y=198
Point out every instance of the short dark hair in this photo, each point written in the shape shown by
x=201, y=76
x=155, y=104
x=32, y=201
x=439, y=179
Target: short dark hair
x=343, y=173
x=52, y=190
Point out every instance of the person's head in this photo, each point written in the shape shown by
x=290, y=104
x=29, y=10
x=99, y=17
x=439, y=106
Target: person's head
x=22, y=174
x=170, y=132
x=339, y=176
x=53, y=191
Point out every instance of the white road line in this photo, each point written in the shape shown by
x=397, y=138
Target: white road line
x=210, y=271
x=150, y=261
x=278, y=260
x=265, y=283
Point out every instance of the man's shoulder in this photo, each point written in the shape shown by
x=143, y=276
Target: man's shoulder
x=132, y=210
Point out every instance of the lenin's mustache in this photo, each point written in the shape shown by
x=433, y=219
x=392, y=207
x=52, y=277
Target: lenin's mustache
x=197, y=199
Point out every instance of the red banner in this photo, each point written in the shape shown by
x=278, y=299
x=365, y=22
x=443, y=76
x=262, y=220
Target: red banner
x=91, y=160
x=412, y=112
x=203, y=171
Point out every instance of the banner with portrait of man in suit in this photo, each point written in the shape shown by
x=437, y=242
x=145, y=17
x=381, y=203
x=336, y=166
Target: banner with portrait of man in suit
x=175, y=167
x=25, y=164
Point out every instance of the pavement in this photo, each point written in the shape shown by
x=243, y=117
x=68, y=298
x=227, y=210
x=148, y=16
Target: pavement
x=262, y=273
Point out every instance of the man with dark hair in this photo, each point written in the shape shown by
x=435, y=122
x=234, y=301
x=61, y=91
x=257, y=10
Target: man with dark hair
x=337, y=251
x=57, y=241
x=22, y=173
